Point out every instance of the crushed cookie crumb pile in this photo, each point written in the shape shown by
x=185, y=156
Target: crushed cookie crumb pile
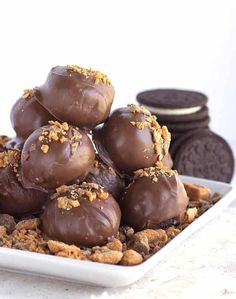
x=10, y=158
x=127, y=248
x=96, y=75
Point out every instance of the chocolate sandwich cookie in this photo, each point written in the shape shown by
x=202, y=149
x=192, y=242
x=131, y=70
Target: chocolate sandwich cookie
x=181, y=138
x=186, y=126
x=28, y=115
x=184, y=118
x=205, y=155
x=79, y=96
x=174, y=105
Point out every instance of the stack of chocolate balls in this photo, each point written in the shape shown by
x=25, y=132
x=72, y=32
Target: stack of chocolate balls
x=195, y=149
x=83, y=170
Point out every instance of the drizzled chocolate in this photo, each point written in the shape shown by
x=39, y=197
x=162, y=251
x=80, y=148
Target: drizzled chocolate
x=131, y=139
x=155, y=196
x=80, y=96
x=28, y=115
x=54, y=155
x=83, y=215
x=14, y=199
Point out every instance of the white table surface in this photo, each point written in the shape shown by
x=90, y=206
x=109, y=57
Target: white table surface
x=204, y=266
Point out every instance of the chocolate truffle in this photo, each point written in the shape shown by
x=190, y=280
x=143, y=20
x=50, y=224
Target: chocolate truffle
x=106, y=176
x=79, y=96
x=28, y=115
x=84, y=215
x=131, y=139
x=54, y=155
x=155, y=196
x=3, y=141
x=14, y=199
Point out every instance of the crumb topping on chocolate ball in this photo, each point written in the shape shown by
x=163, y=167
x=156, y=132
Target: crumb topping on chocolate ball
x=58, y=132
x=96, y=75
x=161, y=136
x=28, y=94
x=68, y=195
x=154, y=172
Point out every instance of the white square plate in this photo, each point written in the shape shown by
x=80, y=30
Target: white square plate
x=108, y=275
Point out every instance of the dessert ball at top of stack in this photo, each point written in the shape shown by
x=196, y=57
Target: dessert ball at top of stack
x=195, y=149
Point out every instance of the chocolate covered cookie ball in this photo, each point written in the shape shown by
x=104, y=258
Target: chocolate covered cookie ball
x=155, y=196
x=131, y=139
x=14, y=199
x=54, y=155
x=83, y=215
x=106, y=176
x=27, y=114
x=79, y=96
x=167, y=161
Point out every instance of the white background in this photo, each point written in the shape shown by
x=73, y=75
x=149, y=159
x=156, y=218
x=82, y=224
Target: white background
x=139, y=44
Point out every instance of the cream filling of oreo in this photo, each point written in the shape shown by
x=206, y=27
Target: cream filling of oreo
x=179, y=111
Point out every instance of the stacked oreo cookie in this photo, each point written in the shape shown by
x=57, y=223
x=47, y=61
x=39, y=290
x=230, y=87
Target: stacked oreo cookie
x=195, y=149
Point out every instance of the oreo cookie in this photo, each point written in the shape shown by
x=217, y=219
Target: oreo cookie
x=172, y=99
x=197, y=116
x=205, y=154
x=186, y=126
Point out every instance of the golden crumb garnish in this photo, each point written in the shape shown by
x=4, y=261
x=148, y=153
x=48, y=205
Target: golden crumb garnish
x=96, y=75
x=67, y=204
x=44, y=148
x=160, y=135
x=89, y=191
x=10, y=158
x=154, y=172
x=103, y=195
x=27, y=94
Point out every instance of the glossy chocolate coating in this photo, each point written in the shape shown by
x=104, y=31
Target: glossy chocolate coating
x=60, y=165
x=148, y=204
x=16, y=143
x=75, y=98
x=27, y=115
x=16, y=200
x=125, y=146
x=92, y=223
x=106, y=176
x=167, y=161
